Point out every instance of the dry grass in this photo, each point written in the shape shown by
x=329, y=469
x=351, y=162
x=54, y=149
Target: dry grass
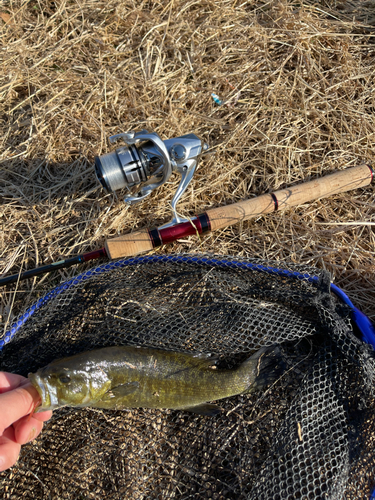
x=73, y=73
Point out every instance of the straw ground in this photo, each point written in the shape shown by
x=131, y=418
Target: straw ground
x=297, y=79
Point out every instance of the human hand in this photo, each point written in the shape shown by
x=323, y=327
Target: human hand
x=18, y=398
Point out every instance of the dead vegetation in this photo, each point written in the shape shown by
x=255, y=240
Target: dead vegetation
x=73, y=73
x=298, y=80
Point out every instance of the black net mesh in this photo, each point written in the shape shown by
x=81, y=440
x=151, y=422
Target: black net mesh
x=308, y=436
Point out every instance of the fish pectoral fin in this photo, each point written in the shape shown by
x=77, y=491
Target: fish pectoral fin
x=120, y=391
x=206, y=409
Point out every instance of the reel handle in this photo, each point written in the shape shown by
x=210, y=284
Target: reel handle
x=218, y=218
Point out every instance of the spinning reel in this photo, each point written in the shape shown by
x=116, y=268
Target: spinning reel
x=147, y=161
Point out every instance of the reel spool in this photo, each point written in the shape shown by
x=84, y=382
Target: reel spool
x=146, y=162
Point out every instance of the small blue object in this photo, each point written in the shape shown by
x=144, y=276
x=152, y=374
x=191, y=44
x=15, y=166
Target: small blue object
x=216, y=99
x=372, y=497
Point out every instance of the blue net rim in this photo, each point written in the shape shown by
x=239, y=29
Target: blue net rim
x=363, y=323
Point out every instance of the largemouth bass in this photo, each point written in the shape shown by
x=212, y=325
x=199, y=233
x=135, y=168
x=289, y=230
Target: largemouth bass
x=140, y=377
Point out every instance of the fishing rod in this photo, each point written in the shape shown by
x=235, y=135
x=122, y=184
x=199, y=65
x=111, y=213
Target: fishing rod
x=148, y=161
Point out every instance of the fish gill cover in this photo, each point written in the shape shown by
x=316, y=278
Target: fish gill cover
x=308, y=436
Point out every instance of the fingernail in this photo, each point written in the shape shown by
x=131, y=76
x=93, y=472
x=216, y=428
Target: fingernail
x=2, y=461
x=32, y=434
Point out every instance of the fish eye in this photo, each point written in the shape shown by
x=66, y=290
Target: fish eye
x=64, y=379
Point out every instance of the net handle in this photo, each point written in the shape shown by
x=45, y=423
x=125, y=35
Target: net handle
x=218, y=218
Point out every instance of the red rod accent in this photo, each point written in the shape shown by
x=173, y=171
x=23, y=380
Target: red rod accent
x=173, y=233
x=96, y=254
x=372, y=173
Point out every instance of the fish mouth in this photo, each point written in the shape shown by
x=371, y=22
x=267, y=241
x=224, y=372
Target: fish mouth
x=47, y=393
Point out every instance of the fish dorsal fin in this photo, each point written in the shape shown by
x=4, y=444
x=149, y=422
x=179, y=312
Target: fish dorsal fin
x=203, y=360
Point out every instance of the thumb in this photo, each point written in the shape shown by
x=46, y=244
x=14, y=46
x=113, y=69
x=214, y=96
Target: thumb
x=17, y=403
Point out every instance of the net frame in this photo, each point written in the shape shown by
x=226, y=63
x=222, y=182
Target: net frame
x=204, y=260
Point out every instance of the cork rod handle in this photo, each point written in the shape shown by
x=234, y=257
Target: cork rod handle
x=129, y=244
x=339, y=182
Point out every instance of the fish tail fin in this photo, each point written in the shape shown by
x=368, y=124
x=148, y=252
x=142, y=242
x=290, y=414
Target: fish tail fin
x=267, y=365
